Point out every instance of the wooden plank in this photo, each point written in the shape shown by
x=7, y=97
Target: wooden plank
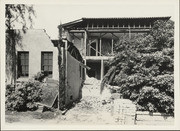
x=102, y=69
x=96, y=48
x=100, y=42
x=112, y=45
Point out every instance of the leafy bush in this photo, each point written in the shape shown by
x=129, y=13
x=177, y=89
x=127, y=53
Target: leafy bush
x=24, y=96
x=143, y=69
x=40, y=76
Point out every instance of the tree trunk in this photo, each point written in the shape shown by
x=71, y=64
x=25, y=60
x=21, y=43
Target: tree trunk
x=11, y=57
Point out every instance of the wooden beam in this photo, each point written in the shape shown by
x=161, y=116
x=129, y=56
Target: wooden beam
x=87, y=26
x=129, y=33
x=66, y=52
x=89, y=47
x=120, y=30
x=102, y=69
x=95, y=58
x=112, y=46
x=92, y=41
x=114, y=35
x=76, y=31
x=75, y=36
x=96, y=48
x=85, y=42
x=100, y=44
x=102, y=35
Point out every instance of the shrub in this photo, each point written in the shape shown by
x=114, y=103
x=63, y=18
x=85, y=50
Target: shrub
x=143, y=69
x=24, y=96
x=40, y=76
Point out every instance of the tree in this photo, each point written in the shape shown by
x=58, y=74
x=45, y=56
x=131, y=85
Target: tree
x=143, y=68
x=21, y=15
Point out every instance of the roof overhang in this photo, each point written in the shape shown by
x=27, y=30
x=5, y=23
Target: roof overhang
x=83, y=22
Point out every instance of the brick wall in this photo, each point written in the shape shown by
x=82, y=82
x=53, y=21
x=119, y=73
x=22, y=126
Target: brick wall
x=123, y=111
x=146, y=118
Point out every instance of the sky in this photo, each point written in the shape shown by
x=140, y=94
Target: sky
x=49, y=16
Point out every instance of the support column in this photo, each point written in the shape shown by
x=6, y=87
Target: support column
x=129, y=32
x=112, y=46
x=85, y=43
x=102, y=69
x=66, y=53
x=100, y=46
x=96, y=48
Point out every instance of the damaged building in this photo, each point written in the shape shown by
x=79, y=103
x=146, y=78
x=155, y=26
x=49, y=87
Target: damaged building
x=95, y=38
x=85, y=46
x=35, y=52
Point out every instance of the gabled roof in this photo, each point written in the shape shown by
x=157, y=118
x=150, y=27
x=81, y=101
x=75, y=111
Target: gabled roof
x=84, y=21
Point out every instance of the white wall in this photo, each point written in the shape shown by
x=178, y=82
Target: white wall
x=35, y=41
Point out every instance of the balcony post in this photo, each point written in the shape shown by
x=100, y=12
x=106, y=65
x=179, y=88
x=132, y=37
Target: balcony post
x=100, y=46
x=102, y=69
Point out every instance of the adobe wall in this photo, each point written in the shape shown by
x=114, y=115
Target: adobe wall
x=35, y=41
x=73, y=90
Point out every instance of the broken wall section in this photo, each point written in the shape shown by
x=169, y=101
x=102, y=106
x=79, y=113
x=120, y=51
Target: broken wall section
x=74, y=79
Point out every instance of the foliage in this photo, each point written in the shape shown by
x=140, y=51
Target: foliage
x=19, y=14
x=40, y=76
x=143, y=68
x=24, y=96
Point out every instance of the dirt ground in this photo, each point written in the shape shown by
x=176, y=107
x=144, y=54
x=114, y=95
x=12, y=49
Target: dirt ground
x=89, y=110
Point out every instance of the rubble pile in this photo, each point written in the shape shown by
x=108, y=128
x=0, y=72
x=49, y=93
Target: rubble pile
x=91, y=87
x=93, y=107
x=92, y=97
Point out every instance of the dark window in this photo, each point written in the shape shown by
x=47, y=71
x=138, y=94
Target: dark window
x=47, y=63
x=23, y=64
x=82, y=72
